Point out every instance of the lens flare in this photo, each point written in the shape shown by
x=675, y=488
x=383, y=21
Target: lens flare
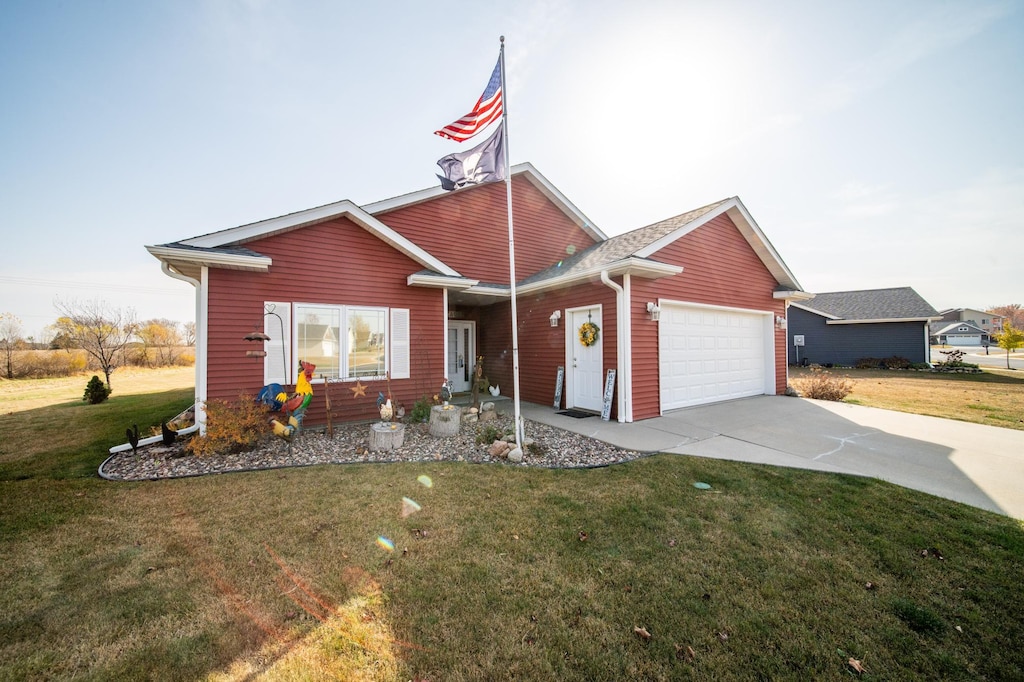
x=385, y=544
x=425, y=480
x=409, y=507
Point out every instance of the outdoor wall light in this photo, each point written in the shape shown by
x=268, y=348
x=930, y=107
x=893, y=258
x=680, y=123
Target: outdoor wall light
x=780, y=322
x=654, y=310
x=555, y=317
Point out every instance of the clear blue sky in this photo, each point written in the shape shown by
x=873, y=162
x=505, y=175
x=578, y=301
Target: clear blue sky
x=877, y=144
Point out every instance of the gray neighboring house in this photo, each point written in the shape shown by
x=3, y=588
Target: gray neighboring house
x=841, y=327
x=959, y=334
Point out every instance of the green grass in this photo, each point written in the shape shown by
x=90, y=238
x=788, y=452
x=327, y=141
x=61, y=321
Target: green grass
x=277, y=575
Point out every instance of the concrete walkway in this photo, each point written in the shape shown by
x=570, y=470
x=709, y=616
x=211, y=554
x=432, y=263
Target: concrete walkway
x=979, y=465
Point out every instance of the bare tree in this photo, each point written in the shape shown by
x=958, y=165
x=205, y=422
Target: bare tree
x=190, y=333
x=99, y=330
x=10, y=340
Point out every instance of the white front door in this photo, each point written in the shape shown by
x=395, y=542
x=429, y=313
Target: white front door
x=585, y=363
x=461, y=337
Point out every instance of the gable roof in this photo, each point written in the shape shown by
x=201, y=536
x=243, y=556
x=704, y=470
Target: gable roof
x=900, y=304
x=524, y=169
x=224, y=248
x=633, y=250
x=943, y=328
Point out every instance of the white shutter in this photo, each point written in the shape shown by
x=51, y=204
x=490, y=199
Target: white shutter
x=400, y=343
x=277, y=324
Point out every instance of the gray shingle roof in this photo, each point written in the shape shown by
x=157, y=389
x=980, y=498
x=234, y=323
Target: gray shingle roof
x=900, y=303
x=620, y=247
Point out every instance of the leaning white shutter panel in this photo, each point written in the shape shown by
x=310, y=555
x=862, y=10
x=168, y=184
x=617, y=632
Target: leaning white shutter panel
x=277, y=324
x=400, y=343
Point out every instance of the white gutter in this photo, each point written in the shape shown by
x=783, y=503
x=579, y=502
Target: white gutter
x=166, y=267
x=620, y=369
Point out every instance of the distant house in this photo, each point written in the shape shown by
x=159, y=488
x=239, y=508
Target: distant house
x=989, y=323
x=840, y=328
x=958, y=334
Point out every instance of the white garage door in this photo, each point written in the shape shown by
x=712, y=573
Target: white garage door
x=707, y=355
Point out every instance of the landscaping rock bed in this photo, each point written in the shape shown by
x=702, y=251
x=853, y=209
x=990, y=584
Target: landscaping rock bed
x=551, y=448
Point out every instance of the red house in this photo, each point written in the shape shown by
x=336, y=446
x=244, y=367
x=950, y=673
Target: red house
x=688, y=311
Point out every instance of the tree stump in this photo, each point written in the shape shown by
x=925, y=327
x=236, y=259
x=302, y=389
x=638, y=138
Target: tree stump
x=386, y=436
x=444, y=420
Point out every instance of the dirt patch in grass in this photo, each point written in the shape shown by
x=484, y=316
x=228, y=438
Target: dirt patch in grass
x=992, y=398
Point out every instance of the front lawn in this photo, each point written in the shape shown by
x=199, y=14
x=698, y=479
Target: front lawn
x=993, y=397
x=504, y=573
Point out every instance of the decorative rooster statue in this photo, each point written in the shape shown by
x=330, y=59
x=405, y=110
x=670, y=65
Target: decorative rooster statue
x=133, y=438
x=494, y=390
x=167, y=434
x=294, y=405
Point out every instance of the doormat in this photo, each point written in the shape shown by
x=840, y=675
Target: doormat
x=577, y=414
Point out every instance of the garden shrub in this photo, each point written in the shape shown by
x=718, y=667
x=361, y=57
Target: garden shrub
x=231, y=426
x=489, y=434
x=823, y=385
x=896, y=362
x=96, y=391
x=868, y=363
x=421, y=410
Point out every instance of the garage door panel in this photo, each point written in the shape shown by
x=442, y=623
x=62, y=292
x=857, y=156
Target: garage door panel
x=709, y=355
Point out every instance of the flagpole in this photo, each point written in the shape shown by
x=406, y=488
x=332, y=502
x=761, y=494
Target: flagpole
x=520, y=435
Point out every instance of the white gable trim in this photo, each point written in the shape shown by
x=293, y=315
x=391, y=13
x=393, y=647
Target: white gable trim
x=231, y=261
x=744, y=222
x=526, y=169
x=292, y=221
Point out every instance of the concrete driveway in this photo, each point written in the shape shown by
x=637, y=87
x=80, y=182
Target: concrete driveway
x=979, y=465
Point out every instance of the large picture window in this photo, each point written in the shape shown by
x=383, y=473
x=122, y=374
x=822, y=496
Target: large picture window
x=344, y=342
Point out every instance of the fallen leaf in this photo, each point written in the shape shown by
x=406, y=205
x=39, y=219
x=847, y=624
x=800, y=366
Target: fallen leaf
x=858, y=666
x=583, y=536
x=724, y=636
x=671, y=543
x=959, y=629
x=642, y=633
x=869, y=586
x=685, y=653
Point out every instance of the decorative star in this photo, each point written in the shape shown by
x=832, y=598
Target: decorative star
x=358, y=390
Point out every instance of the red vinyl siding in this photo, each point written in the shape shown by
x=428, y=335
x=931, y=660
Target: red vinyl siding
x=719, y=268
x=468, y=230
x=336, y=262
x=541, y=346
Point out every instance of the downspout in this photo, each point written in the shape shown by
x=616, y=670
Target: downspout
x=124, y=447
x=620, y=370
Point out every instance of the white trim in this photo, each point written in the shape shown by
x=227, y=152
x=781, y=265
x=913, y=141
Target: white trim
x=768, y=334
x=202, y=347
x=793, y=295
x=264, y=228
x=570, y=339
x=745, y=223
x=531, y=174
x=212, y=258
x=620, y=342
x=439, y=281
x=634, y=266
x=691, y=304
x=627, y=340
x=836, y=320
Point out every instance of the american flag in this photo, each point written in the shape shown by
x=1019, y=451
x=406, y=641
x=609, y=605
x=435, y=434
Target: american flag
x=487, y=109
